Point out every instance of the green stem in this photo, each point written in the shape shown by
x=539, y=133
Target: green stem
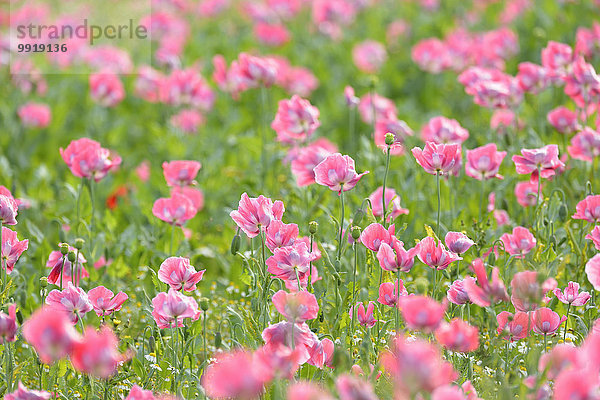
x=172, y=239
x=9, y=367
x=263, y=136
x=79, y=203
x=566, y=323
x=397, y=301
x=3, y=271
x=439, y=204
x=387, y=168
x=353, y=297
x=481, y=200
x=339, y=252
x=204, y=337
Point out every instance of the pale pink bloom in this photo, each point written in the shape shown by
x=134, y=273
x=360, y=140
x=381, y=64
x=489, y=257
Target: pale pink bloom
x=484, y=162
x=271, y=34
x=395, y=30
x=296, y=307
x=187, y=87
x=532, y=78
x=501, y=217
x=107, y=58
x=188, y=121
x=448, y=392
x=307, y=158
x=22, y=393
x=571, y=295
x=458, y=242
x=431, y=55
x=73, y=301
x=556, y=58
x=392, y=203
x=280, y=334
x=179, y=274
x=97, y=353
x=137, y=393
x=421, y=312
x=374, y=235
x=563, y=120
x=104, y=301
x=252, y=71
x=587, y=41
x=582, y=83
x=435, y=254
x=222, y=378
x=388, y=293
x=369, y=56
x=169, y=309
x=442, y=130
x=416, y=365
x=304, y=390
x=576, y=384
x=278, y=361
x=588, y=209
x=484, y=292
x=148, y=84
x=457, y=292
x=143, y=171
x=194, y=195
x=390, y=123
x=594, y=236
x=12, y=248
x=392, y=256
x=374, y=107
x=458, y=336
x=35, y=115
x=297, y=80
x=545, y=321
x=286, y=261
x=519, y=243
x=8, y=325
x=513, y=327
x=365, y=318
x=337, y=172
x=331, y=15
x=351, y=99
x=352, y=388
x=175, y=210
x=438, y=158
x=106, y=89
x=254, y=214
x=503, y=119
x=280, y=234
x=296, y=120
x=543, y=161
x=58, y=262
x=8, y=209
x=585, y=145
x=87, y=159
x=562, y=356
x=592, y=270
x=527, y=193
x=527, y=291
x=51, y=334
x=181, y=173
x=359, y=372
x=292, y=284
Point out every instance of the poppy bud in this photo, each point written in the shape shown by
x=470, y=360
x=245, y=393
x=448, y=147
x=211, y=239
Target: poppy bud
x=341, y=359
x=389, y=138
x=71, y=257
x=355, y=232
x=151, y=343
x=235, y=244
x=64, y=249
x=79, y=242
x=313, y=227
x=562, y=212
x=19, y=317
x=358, y=216
x=43, y=282
x=204, y=303
x=218, y=340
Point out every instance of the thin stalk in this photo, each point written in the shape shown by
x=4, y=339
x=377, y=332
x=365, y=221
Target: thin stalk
x=77, y=269
x=79, y=204
x=439, y=204
x=566, y=323
x=263, y=136
x=397, y=301
x=172, y=239
x=3, y=272
x=62, y=268
x=353, y=296
x=9, y=367
x=309, y=285
x=545, y=343
x=204, y=337
x=387, y=168
x=339, y=252
x=481, y=200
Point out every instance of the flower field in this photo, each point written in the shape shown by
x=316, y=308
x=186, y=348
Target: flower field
x=302, y=199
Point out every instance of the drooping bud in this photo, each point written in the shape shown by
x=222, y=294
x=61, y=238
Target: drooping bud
x=235, y=244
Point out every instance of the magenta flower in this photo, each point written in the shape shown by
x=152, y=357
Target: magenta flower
x=59, y=263
x=458, y=242
x=252, y=71
x=106, y=89
x=458, y=336
x=194, y=195
x=254, y=214
x=374, y=235
x=393, y=256
x=571, y=295
x=563, y=120
x=105, y=302
x=388, y=293
x=484, y=292
x=353, y=388
x=543, y=161
x=588, y=209
x=296, y=120
x=365, y=318
x=222, y=378
x=179, y=274
x=438, y=158
x=87, y=159
x=484, y=162
x=527, y=291
x=175, y=210
x=286, y=261
x=515, y=327
x=442, y=130
x=307, y=158
x=532, y=78
x=556, y=58
x=169, y=309
x=527, y=193
x=22, y=393
x=71, y=300
x=435, y=254
x=545, y=321
x=519, y=243
x=12, y=248
x=281, y=235
x=594, y=236
x=457, y=293
x=187, y=87
x=592, y=270
x=8, y=210
x=422, y=313
x=337, y=172
x=296, y=307
x=582, y=83
x=392, y=203
x=8, y=325
x=585, y=145
x=181, y=173
x=35, y=115
x=97, y=354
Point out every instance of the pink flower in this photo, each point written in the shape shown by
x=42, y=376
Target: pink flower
x=12, y=248
x=519, y=243
x=179, y=274
x=148, y=84
x=181, y=173
x=271, y=34
x=106, y=302
x=457, y=292
x=582, y=84
x=337, y=172
x=527, y=193
x=169, y=309
x=106, y=89
x=280, y=334
x=502, y=120
x=527, y=292
x=296, y=307
x=303, y=390
x=175, y=210
x=585, y=145
x=351, y=99
x=422, y=313
x=369, y=56
x=515, y=326
x=576, y=384
x=287, y=261
x=458, y=336
x=365, y=318
x=97, y=354
x=352, y=388
x=571, y=295
x=22, y=393
x=296, y=120
x=546, y=321
x=556, y=58
x=73, y=301
x=592, y=270
x=194, y=195
x=543, y=161
x=532, y=78
x=223, y=379
x=143, y=171
x=51, y=334
x=438, y=158
x=374, y=235
x=392, y=256
x=8, y=209
x=484, y=292
x=187, y=87
x=398, y=128
x=59, y=263
x=307, y=158
x=435, y=254
x=188, y=121
x=8, y=325
x=87, y=159
x=254, y=214
x=588, y=209
x=458, y=242
x=392, y=203
x=594, y=236
x=484, y=162
x=137, y=393
x=388, y=293
x=372, y=108
x=563, y=120
x=278, y=361
x=281, y=235
x=35, y=115
x=252, y=71
x=442, y=130
x=431, y=55
x=562, y=356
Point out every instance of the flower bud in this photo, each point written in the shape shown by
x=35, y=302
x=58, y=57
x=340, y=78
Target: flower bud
x=235, y=244
x=389, y=138
x=71, y=256
x=79, y=242
x=313, y=227
x=204, y=303
x=218, y=340
x=64, y=249
x=355, y=232
x=562, y=213
x=151, y=343
x=43, y=281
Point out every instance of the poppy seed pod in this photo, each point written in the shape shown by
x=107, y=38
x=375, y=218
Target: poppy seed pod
x=389, y=138
x=71, y=256
x=356, y=232
x=204, y=303
x=43, y=281
x=313, y=227
x=79, y=242
x=64, y=249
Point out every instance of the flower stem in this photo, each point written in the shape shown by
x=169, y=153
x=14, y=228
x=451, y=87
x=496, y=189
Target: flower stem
x=353, y=295
x=339, y=252
x=172, y=239
x=3, y=272
x=566, y=323
x=263, y=136
x=439, y=204
x=397, y=301
x=387, y=168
